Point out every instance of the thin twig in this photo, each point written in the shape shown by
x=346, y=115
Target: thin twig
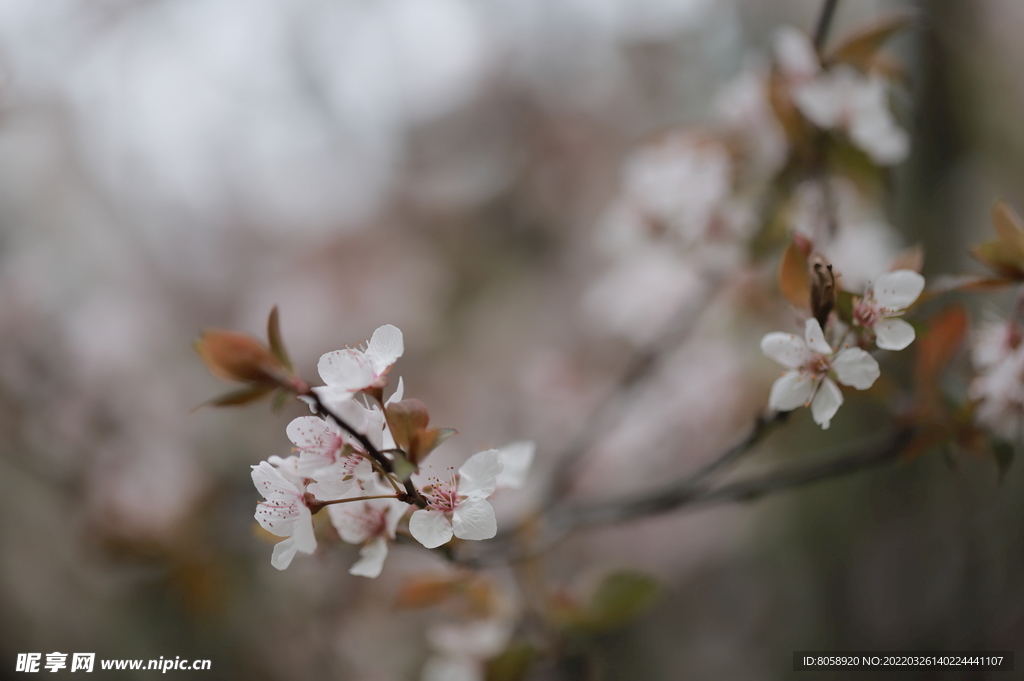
x=683, y=494
x=828, y=10
x=638, y=368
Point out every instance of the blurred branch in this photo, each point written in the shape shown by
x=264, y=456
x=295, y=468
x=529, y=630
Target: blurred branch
x=828, y=10
x=684, y=493
x=639, y=367
x=690, y=493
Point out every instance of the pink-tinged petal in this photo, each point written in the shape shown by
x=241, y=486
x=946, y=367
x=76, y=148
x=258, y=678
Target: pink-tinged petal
x=347, y=369
x=893, y=333
x=856, y=368
x=270, y=483
x=816, y=337
x=787, y=349
x=516, y=459
x=478, y=477
x=371, y=559
x=791, y=390
x=386, y=346
x=277, y=521
x=898, y=290
x=349, y=522
x=284, y=551
x=330, y=488
x=308, y=431
x=474, y=519
x=826, y=403
x=430, y=528
x=288, y=468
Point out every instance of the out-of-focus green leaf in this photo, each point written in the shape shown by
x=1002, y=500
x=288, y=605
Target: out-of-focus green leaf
x=620, y=598
x=844, y=306
x=1004, y=453
x=513, y=664
x=241, y=396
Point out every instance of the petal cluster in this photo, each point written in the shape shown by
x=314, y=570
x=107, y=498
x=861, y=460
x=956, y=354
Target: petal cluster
x=346, y=372
x=458, y=506
x=283, y=513
x=884, y=303
x=810, y=362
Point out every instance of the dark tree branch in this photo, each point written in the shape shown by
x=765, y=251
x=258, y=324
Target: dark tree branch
x=414, y=497
x=828, y=10
x=684, y=493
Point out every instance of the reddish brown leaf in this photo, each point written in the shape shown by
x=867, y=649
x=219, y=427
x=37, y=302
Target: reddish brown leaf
x=860, y=49
x=1010, y=229
x=794, y=283
x=935, y=350
x=236, y=356
x=406, y=419
x=909, y=259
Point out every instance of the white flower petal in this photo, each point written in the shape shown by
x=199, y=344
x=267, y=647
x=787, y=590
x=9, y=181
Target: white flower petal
x=795, y=53
x=305, y=539
x=396, y=509
x=474, y=519
x=271, y=483
x=284, y=551
x=816, y=337
x=826, y=403
x=453, y=668
x=386, y=346
x=371, y=559
x=856, y=368
x=787, y=349
x=346, y=369
x=479, y=475
x=898, y=290
x=308, y=431
x=791, y=390
x=398, y=394
x=893, y=333
x=516, y=459
x=430, y=528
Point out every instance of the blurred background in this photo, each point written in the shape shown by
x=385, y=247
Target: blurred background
x=446, y=166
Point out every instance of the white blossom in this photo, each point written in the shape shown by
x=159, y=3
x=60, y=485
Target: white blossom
x=810, y=361
x=283, y=513
x=883, y=304
x=346, y=372
x=516, y=459
x=370, y=523
x=458, y=505
x=998, y=355
x=841, y=98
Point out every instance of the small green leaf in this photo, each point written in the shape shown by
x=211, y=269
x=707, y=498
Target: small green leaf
x=241, y=396
x=620, y=598
x=403, y=467
x=281, y=398
x=276, y=343
x=844, y=306
x=1004, y=453
x=513, y=664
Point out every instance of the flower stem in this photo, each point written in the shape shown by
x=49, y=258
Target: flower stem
x=413, y=495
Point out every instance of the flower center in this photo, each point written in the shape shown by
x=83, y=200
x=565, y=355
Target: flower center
x=866, y=314
x=444, y=494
